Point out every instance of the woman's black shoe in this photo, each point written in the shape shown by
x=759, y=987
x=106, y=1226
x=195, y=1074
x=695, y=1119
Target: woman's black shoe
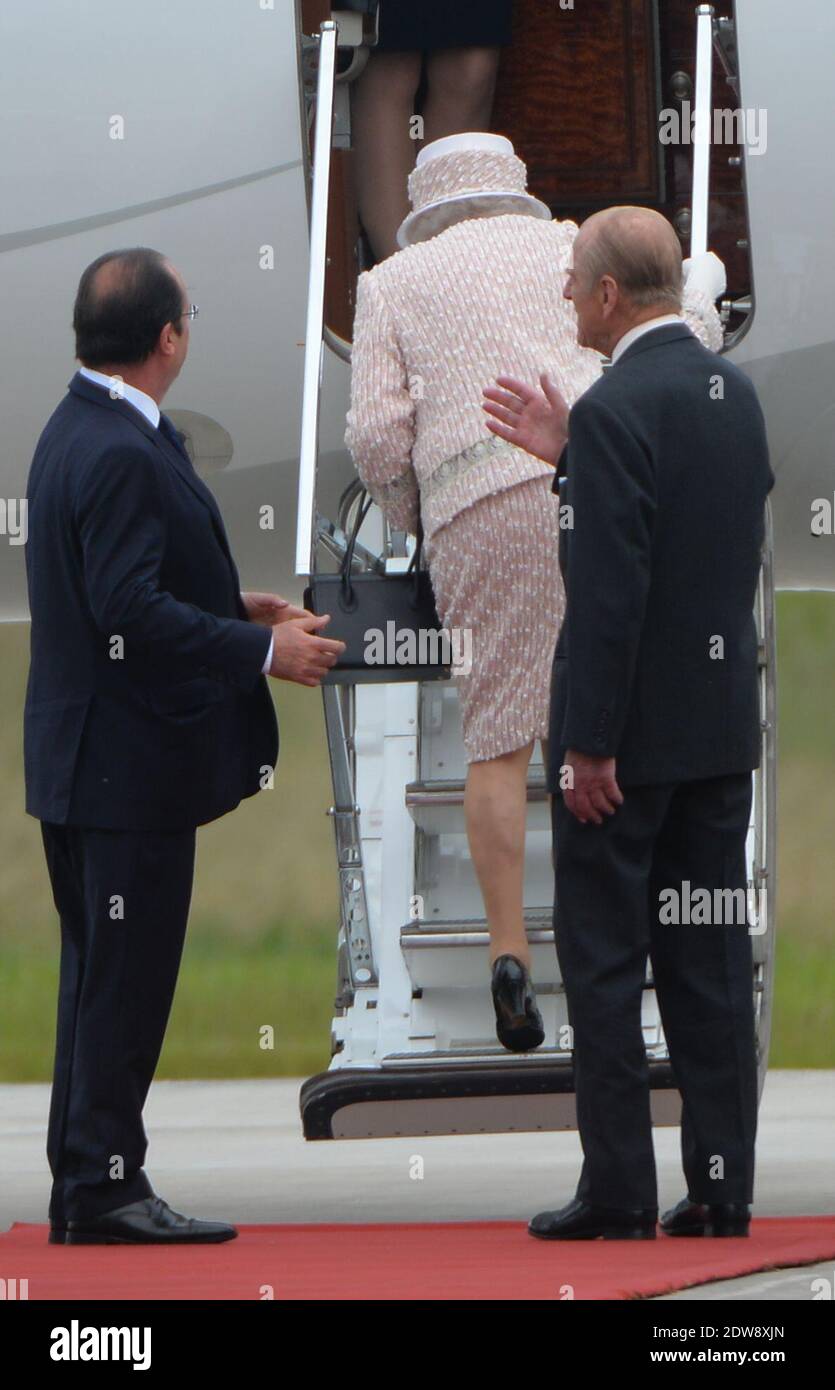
x=518, y=1020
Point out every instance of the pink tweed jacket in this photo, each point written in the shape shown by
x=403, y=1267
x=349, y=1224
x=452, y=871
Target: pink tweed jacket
x=437, y=322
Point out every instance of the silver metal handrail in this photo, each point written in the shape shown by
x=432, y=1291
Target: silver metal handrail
x=334, y=540
x=313, y=343
x=765, y=801
x=702, y=131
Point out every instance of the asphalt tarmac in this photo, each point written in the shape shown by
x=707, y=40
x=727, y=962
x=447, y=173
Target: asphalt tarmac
x=233, y=1150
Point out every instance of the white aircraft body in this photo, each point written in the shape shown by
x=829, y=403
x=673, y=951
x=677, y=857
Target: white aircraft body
x=185, y=127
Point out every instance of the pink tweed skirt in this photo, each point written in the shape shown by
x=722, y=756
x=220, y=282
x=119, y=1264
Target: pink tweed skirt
x=496, y=575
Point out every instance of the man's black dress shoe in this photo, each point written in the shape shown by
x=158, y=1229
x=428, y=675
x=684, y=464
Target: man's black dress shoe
x=581, y=1221
x=149, y=1222
x=700, y=1219
x=518, y=1021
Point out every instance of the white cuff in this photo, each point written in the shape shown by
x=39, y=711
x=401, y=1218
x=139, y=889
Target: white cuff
x=706, y=273
x=269, y=661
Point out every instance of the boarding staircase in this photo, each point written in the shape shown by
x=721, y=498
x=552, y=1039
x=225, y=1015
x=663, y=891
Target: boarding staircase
x=414, y=1049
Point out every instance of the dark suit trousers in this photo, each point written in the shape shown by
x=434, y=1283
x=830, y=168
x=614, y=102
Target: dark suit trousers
x=123, y=899
x=609, y=879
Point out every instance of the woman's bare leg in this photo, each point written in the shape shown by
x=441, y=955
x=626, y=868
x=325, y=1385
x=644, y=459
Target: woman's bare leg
x=382, y=106
x=495, y=809
x=461, y=87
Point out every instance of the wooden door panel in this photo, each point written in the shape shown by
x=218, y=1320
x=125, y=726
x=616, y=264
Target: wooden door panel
x=576, y=94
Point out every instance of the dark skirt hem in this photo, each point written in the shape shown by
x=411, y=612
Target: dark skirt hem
x=409, y=26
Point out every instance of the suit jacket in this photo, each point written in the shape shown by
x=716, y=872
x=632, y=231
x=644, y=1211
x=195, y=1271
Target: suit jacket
x=667, y=474
x=146, y=708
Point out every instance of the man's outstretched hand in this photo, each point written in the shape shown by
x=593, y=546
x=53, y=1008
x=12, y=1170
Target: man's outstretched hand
x=269, y=609
x=299, y=654
x=595, y=792
x=533, y=420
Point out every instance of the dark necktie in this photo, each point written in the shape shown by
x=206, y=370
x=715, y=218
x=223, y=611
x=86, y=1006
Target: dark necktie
x=166, y=427
x=168, y=430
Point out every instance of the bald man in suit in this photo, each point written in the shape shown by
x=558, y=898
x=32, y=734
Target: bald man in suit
x=147, y=714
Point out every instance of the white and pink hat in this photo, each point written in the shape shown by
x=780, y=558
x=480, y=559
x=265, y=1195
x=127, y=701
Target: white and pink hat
x=463, y=176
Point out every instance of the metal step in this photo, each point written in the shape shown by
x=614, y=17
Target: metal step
x=472, y=931
x=437, y=806
x=454, y=954
x=496, y=1056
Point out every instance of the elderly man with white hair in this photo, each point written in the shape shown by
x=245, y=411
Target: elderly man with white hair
x=655, y=732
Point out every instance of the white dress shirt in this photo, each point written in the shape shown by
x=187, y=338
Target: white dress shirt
x=122, y=391
x=635, y=333
x=147, y=406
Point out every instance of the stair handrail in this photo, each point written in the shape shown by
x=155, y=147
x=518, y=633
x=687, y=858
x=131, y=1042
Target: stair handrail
x=315, y=325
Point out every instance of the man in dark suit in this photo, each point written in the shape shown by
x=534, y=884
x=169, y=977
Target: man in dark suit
x=654, y=732
x=147, y=714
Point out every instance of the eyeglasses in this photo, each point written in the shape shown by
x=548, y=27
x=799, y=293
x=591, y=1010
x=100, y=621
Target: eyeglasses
x=191, y=312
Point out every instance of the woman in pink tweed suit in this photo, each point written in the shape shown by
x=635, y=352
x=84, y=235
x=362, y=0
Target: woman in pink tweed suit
x=477, y=292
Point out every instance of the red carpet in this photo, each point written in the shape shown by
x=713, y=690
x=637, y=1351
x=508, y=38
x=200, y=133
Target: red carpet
x=473, y=1260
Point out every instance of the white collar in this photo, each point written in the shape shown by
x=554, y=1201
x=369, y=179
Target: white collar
x=635, y=333
x=123, y=391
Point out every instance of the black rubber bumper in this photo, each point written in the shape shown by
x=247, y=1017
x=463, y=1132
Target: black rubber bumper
x=324, y=1095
